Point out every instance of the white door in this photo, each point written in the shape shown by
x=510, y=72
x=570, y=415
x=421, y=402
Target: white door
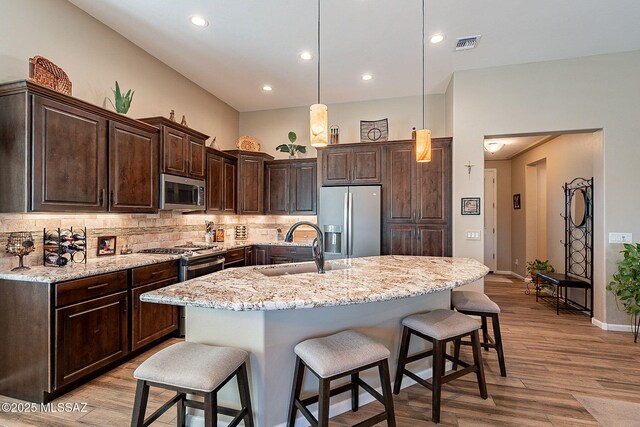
x=490, y=219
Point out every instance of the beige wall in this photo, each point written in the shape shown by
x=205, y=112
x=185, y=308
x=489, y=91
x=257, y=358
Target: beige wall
x=94, y=56
x=504, y=206
x=585, y=93
x=272, y=126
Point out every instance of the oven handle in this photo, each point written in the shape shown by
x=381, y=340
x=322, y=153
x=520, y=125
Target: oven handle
x=209, y=264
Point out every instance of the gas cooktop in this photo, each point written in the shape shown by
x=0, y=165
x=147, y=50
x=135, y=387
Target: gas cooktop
x=188, y=250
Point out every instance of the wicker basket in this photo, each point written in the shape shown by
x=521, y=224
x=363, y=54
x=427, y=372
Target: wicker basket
x=48, y=74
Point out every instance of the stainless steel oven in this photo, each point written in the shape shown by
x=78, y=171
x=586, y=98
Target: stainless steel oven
x=200, y=266
x=181, y=194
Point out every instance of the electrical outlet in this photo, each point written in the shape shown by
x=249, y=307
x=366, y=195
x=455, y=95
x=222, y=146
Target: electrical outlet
x=473, y=235
x=620, y=238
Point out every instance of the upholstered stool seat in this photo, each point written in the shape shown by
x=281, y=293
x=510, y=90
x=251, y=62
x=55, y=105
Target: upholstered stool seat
x=473, y=301
x=478, y=304
x=439, y=327
x=193, y=368
x=343, y=354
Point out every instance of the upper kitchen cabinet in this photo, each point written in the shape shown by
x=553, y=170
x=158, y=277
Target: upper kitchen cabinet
x=221, y=182
x=183, y=151
x=250, y=188
x=61, y=154
x=348, y=164
x=290, y=187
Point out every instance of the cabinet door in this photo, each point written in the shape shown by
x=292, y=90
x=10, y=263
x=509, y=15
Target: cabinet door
x=399, y=239
x=336, y=166
x=69, y=159
x=174, y=151
x=249, y=256
x=251, y=185
x=277, y=180
x=230, y=187
x=90, y=335
x=303, y=191
x=133, y=169
x=196, y=158
x=261, y=255
x=151, y=321
x=215, y=183
x=280, y=260
x=433, y=240
x=434, y=186
x=366, y=165
x=399, y=183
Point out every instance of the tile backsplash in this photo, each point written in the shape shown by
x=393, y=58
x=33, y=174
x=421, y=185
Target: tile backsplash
x=142, y=231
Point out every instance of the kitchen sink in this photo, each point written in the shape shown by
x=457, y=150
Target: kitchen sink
x=286, y=270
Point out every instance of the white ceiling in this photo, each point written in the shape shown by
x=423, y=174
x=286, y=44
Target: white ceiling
x=250, y=43
x=515, y=145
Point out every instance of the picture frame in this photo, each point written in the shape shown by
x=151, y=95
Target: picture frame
x=516, y=201
x=470, y=206
x=106, y=245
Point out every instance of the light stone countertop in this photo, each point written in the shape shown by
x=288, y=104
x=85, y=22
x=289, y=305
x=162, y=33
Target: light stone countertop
x=233, y=244
x=369, y=279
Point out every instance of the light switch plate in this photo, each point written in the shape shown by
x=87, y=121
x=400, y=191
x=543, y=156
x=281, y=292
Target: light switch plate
x=473, y=235
x=620, y=238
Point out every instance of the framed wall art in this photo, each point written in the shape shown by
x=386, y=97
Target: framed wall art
x=374, y=131
x=106, y=245
x=516, y=201
x=470, y=206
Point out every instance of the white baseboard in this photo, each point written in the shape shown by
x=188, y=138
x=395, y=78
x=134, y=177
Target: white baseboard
x=335, y=409
x=503, y=272
x=611, y=326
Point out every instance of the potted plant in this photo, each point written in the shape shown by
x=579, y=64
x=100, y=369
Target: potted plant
x=123, y=101
x=626, y=285
x=536, y=266
x=291, y=148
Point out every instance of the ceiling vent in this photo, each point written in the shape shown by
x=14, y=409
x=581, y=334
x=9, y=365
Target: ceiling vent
x=466, y=43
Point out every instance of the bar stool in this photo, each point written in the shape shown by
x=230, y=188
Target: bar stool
x=336, y=356
x=193, y=368
x=479, y=304
x=439, y=327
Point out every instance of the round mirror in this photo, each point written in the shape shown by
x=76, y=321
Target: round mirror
x=578, y=207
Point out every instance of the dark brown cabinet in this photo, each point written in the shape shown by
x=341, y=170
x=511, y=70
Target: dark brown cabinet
x=351, y=165
x=288, y=254
x=221, y=182
x=133, y=169
x=277, y=177
x=419, y=240
x=182, y=148
x=250, y=188
x=260, y=255
x=90, y=335
x=290, y=187
x=303, y=191
x=151, y=321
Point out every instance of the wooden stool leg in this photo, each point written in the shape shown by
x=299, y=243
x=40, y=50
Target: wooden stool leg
x=181, y=420
x=498, y=341
x=438, y=362
x=477, y=360
x=355, y=389
x=485, y=332
x=140, y=404
x=402, y=359
x=210, y=410
x=385, y=381
x=456, y=353
x=245, y=394
x=298, y=376
x=323, y=402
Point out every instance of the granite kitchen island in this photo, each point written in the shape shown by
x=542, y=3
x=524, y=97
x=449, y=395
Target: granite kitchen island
x=267, y=312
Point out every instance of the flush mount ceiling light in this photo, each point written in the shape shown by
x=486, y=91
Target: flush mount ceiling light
x=436, y=38
x=318, y=116
x=367, y=77
x=267, y=88
x=306, y=56
x=493, y=147
x=423, y=136
x=199, y=21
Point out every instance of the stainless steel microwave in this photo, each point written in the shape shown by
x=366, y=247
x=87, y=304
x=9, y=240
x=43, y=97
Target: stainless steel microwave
x=181, y=194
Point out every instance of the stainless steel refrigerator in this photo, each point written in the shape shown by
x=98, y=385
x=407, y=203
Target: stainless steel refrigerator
x=350, y=219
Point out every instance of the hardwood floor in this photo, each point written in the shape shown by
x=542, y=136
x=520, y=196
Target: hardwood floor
x=550, y=360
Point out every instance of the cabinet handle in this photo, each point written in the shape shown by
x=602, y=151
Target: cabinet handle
x=155, y=273
x=102, y=197
x=102, y=285
x=125, y=306
x=111, y=197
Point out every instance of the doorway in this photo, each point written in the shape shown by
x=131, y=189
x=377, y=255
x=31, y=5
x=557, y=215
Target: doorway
x=536, y=210
x=490, y=219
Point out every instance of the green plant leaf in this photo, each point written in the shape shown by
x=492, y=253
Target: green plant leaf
x=283, y=148
x=292, y=137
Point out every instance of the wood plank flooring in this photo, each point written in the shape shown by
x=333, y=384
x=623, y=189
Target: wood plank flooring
x=550, y=360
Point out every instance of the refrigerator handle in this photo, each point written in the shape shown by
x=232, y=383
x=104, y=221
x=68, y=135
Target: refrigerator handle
x=350, y=236
x=346, y=224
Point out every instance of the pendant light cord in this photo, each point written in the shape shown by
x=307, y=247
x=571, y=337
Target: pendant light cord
x=319, y=51
x=423, y=77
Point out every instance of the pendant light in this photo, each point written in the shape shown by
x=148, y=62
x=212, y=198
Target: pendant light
x=423, y=136
x=318, y=117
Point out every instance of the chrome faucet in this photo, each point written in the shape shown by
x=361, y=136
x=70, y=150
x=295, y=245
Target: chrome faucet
x=318, y=243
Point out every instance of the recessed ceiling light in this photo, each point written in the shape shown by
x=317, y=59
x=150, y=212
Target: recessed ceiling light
x=267, y=88
x=199, y=21
x=306, y=55
x=436, y=38
x=367, y=77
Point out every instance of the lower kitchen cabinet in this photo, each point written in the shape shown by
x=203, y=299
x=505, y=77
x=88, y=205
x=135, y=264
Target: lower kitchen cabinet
x=288, y=254
x=90, y=335
x=151, y=321
x=261, y=255
x=419, y=240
